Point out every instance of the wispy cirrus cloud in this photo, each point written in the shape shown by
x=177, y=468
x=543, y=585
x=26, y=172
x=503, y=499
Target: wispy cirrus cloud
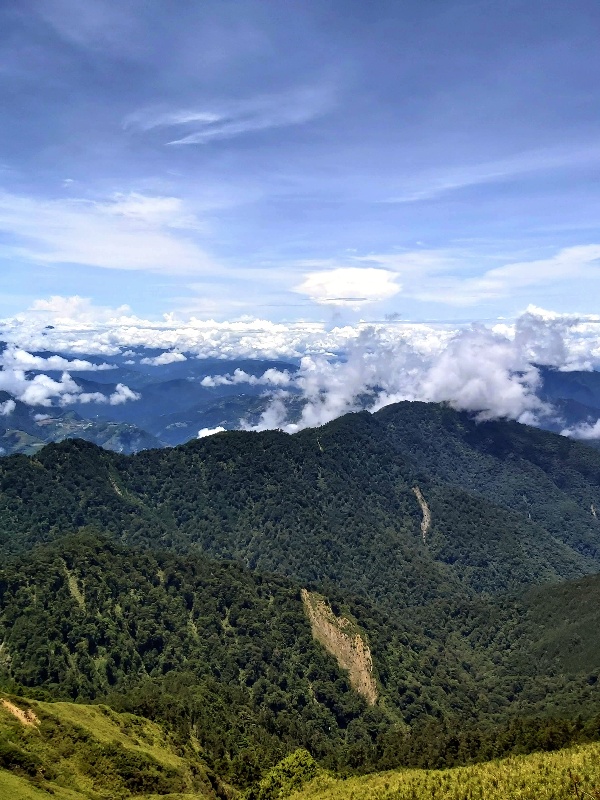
x=226, y=120
x=434, y=183
x=446, y=277
x=122, y=231
x=570, y=263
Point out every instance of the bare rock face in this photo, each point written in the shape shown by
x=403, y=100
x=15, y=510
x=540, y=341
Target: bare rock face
x=342, y=638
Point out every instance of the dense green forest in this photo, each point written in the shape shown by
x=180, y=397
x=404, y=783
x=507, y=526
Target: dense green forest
x=184, y=640
x=168, y=584
x=509, y=505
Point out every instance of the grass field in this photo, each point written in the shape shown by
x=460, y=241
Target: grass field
x=541, y=776
x=69, y=751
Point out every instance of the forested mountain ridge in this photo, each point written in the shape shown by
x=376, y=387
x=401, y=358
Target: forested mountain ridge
x=185, y=641
x=460, y=551
x=510, y=505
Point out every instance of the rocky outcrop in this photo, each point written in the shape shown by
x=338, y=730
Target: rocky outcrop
x=342, y=638
x=426, y=521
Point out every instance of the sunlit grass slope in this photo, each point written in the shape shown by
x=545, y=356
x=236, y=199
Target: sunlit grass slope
x=78, y=752
x=541, y=776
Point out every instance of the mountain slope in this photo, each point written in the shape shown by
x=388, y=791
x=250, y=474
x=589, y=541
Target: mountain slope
x=549, y=776
x=509, y=505
x=79, y=752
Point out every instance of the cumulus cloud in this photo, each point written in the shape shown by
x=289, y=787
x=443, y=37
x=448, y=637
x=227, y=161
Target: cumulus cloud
x=589, y=431
x=271, y=377
x=39, y=389
x=7, y=407
x=122, y=394
x=163, y=358
x=204, y=432
x=349, y=286
x=16, y=358
x=489, y=373
x=488, y=370
x=43, y=390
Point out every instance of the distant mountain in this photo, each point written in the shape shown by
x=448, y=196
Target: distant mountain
x=414, y=502
x=172, y=404
x=174, y=401
x=580, y=386
x=28, y=428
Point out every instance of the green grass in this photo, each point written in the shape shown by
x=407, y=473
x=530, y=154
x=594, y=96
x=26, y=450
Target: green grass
x=541, y=776
x=14, y=787
x=80, y=752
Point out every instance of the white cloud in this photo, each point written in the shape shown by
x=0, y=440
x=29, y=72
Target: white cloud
x=42, y=390
x=204, y=432
x=271, y=377
x=483, y=372
x=487, y=370
x=7, y=408
x=231, y=119
x=79, y=327
x=128, y=232
x=491, y=373
x=163, y=358
x=74, y=310
x=349, y=286
x=16, y=358
x=435, y=276
x=122, y=394
x=585, y=431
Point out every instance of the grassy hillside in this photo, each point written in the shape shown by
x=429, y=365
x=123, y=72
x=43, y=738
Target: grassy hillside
x=91, y=752
x=541, y=776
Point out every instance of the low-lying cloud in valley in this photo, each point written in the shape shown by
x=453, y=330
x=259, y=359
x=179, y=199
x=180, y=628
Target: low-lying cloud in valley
x=489, y=370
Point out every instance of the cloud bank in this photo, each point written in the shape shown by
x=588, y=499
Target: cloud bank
x=22, y=375
x=491, y=371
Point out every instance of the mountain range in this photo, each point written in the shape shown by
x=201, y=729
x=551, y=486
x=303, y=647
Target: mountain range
x=170, y=401
x=405, y=587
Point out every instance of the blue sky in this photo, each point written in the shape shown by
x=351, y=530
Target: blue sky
x=317, y=160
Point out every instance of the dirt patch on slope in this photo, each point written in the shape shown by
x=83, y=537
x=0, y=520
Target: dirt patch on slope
x=27, y=718
x=340, y=637
x=426, y=521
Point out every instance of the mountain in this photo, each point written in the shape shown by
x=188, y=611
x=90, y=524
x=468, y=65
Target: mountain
x=580, y=386
x=172, y=404
x=404, y=588
x=184, y=640
x=178, y=395
x=28, y=428
x=508, y=505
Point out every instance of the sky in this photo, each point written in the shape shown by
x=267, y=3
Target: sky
x=302, y=161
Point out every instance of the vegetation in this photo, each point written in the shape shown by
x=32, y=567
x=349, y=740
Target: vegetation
x=168, y=585
x=93, y=752
x=183, y=640
x=336, y=506
x=548, y=776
